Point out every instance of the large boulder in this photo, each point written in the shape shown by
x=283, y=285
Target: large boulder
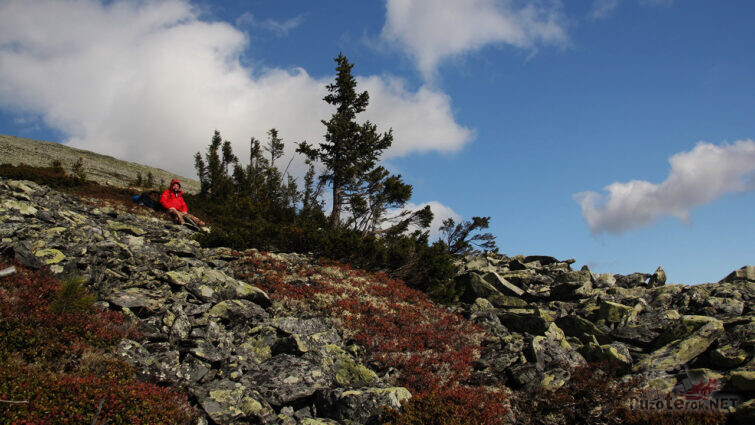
x=359, y=405
x=285, y=379
x=682, y=351
x=473, y=286
x=658, y=278
x=746, y=273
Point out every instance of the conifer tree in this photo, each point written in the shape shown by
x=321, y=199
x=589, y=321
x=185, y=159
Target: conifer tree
x=255, y=170
x=463, y=237
x=78, y=170
x=350, y=150
x=310, y=197
x=199, y=165
x=212, y=171
x=228, y=156
x=274, y=147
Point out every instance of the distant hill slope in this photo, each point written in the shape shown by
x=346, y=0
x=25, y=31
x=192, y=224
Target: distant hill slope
x=100, y=168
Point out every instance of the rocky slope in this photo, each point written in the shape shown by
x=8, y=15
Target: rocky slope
x=203, y=329
x=103, y=169
x=247, y=355
x=542, y=318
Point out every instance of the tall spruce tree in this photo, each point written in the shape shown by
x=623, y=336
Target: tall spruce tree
x=350, y=150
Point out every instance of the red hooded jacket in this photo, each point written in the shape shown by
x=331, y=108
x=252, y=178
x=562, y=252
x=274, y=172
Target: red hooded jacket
x=170, y=199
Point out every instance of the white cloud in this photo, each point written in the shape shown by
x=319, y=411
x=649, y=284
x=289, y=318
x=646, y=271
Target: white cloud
x=440, y=213
x=602, y=9
x=279, y=28
x=431, y=31
x=150, y=82
x=430, y=107
x=697, y=177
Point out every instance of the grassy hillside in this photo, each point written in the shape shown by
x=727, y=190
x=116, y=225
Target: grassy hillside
x=100, y=168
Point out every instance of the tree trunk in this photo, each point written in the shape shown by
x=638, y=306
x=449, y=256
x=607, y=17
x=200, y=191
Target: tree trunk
x=335, y=215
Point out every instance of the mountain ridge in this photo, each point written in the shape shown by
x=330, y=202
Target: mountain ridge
x=103, y=169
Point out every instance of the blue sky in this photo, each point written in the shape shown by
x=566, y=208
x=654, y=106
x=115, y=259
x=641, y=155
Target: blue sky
x=615, y=132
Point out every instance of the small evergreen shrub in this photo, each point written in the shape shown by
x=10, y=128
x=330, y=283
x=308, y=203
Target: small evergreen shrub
x=78, y=170
x=72, y=297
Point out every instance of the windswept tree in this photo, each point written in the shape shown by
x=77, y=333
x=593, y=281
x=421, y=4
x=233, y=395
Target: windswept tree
x=351, y=149
x=255, y=171
x=376, y=205
x=350, y=154
x=274, y=148
x=463, y=238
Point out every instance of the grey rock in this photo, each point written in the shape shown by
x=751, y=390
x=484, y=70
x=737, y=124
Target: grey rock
x=658, y=278
x=284, y=379
x=229, y=402
x=359, y=406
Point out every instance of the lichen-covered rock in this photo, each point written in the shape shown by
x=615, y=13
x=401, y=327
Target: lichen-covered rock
x=285, y=379
x=229, y=402
x=235, y=310
x=582, y=329
x=745, y=412
x=221, y=338
x=613, y=312
x=727, y=357
x=745, y=273
x=658, y=278
x=359, y=406
x=743, y=380
x=682, y=351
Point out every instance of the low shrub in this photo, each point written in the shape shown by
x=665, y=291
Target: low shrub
x=71, y=297
x=42, y=321
x=240, y=225
x=400, y=328
x=67, y=398
x=462, y=406
x=56, y=361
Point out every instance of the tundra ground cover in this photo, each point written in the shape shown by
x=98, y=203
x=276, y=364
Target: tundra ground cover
x=431, y=347
x=56, y=364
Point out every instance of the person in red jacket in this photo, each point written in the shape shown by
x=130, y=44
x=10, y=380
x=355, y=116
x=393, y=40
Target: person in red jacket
x=173, y=201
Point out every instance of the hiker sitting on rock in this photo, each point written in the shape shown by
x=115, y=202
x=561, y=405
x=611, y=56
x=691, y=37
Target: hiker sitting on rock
x=173, y=201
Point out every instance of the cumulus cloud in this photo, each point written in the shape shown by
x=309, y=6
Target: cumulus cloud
x=432, y=31
x=150, y=82
x=697, y=177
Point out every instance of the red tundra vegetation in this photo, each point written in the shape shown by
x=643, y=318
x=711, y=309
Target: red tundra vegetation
x=56, y=361
x=431, y=347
